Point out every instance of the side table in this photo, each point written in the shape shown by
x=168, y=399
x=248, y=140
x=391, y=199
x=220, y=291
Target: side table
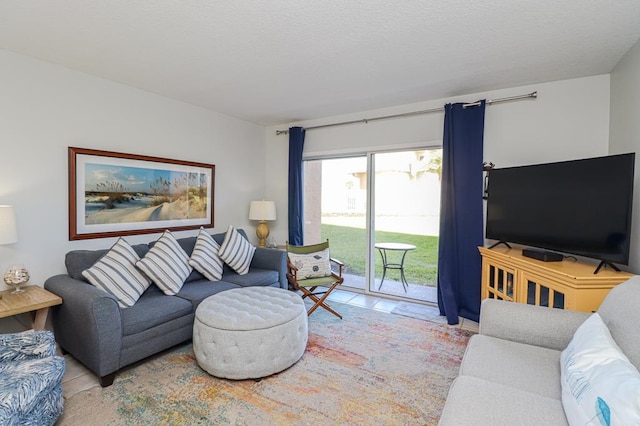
x=34, y=299
x=404, y=248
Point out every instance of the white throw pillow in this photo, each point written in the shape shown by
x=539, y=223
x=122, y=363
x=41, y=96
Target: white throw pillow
x=599, y=384
x=166, y=264
x=236, y=251
x=117, y=274
x=311, y=265
x=205, y=259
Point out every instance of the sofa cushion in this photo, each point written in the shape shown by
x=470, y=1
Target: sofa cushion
x=530, y=368
x=204, y=257
x=256, y=277
x=117, y=274
x=166, y=264
x=77, y=261
x=598, y=381
x=152, y=309
x=197, y=291
x=236, y=251
x=619, y=311
x=476, y=401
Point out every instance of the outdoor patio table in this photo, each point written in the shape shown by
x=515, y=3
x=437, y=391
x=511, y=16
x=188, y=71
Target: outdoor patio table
x=383, y=248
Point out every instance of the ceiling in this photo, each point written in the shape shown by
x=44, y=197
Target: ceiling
x=276, y=62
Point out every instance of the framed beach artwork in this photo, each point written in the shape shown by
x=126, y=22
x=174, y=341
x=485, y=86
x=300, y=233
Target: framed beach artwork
x=114, y=194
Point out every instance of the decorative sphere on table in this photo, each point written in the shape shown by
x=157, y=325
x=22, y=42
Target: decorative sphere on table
x=15, y=277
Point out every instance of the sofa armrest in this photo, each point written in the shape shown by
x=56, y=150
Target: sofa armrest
x=273, y=259
x=533, y=325
x=27, y=345
x=87, y=324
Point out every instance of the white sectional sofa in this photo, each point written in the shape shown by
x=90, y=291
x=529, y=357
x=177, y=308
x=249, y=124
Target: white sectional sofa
x=511, y=370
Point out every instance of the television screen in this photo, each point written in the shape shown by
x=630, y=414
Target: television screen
x=581, y=207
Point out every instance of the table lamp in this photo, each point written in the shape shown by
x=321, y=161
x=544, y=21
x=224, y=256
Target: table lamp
x=8, y=229
x=262, y=211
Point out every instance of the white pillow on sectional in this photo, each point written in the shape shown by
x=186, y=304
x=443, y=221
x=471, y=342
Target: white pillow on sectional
x=205, y=259
x=599, y=384
x=117, y=274
x=236, y=251
x=166, y=264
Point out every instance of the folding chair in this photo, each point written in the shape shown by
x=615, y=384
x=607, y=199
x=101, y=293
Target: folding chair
x=310, y=267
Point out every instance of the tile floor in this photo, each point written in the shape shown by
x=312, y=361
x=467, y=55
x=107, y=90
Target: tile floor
x=77, y=378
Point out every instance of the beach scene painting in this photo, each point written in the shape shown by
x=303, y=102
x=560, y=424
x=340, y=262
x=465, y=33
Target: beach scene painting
x=120, y=196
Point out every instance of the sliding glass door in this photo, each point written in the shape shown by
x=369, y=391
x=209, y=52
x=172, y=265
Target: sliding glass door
x=380, y=212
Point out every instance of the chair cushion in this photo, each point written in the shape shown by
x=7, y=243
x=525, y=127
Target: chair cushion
x=25, y=384
x=27, y=345
x=236, y=251
x=311, y=265
x=204, y=257
x=598, y=381
x=166, y=264
x=117, y=274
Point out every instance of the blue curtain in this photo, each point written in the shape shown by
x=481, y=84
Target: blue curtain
x=296, y=194
x=461, y=213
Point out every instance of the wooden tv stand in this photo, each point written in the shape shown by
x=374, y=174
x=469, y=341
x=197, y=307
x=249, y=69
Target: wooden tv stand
x=508, y=275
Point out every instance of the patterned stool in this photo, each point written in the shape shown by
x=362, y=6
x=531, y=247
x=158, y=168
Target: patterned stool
x=249, y=333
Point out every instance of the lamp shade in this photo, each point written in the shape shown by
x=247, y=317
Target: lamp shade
x=262, y=210
x=8, y=230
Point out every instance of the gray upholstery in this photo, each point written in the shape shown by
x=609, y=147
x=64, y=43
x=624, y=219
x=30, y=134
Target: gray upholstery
x=259, y=277
x=105, y=338
x=510, y=373
x=77, y=261
x=620, y=311
x=531, y=368
x=474, y=401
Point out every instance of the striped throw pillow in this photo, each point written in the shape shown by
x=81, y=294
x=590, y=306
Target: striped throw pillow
x=166, y=264
x=204, y=257
x=117, y=274
x=236, y=251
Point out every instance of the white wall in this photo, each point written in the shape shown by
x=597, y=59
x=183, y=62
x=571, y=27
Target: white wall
x=568, y=120
x=624, y=134
x=45, y=108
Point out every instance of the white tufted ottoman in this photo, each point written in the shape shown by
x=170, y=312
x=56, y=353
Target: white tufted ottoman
x=248, y=333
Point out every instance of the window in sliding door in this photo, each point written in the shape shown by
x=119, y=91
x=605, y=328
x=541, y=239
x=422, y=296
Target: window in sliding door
x=377, y=210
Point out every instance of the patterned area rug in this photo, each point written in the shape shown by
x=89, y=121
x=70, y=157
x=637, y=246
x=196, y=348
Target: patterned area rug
x=369, y=368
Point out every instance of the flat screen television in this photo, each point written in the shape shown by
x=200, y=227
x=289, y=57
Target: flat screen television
x=581, y=207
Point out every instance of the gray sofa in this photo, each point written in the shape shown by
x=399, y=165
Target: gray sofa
x=105, y=338
x=510, y=373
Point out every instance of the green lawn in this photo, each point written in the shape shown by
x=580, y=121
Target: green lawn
x=349, y=246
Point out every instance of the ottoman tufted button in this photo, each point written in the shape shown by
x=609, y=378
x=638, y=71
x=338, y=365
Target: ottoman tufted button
x=258, y=331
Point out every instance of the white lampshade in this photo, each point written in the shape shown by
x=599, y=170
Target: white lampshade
x=8, y=230
x=262, y=210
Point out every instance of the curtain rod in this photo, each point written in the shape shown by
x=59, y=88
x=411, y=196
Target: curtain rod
x=409, y=114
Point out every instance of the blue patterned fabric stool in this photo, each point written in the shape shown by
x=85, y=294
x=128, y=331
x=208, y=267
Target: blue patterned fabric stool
x=30, y=379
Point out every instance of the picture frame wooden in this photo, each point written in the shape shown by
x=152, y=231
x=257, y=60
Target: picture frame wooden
x=116, y=194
